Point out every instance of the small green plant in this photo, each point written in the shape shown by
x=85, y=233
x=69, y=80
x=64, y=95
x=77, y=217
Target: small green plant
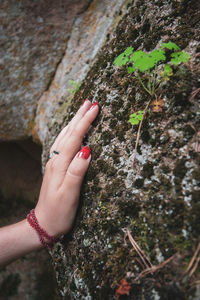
x=151, y=69
x=75, y=87
x=136, y=117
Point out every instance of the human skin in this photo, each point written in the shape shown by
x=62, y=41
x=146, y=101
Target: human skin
x=59, y=194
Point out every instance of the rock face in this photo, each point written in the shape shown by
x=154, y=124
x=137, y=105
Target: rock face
x=156, y=203
x=43, y=46
x=34, y=36
x=87, y=36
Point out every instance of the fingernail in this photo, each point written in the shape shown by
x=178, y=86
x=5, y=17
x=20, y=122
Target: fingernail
x=84, y=102
x=93, y=105
x=84, y=153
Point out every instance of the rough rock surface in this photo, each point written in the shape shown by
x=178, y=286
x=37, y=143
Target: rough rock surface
x=157, y=201
x=33, y=39
x=87, y=36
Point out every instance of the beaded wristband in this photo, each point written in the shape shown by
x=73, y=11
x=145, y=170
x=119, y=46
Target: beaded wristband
x=46, y=239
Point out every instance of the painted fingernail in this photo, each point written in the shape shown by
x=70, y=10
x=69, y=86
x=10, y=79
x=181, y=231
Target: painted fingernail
x=84, y=102
x=84, y=153
x=93, y=105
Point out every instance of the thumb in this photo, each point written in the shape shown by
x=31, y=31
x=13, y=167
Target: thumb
x=77, y=169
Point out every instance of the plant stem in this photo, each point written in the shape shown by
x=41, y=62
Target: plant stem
x=142, y=84
x=138, y=133
x=154, y=80
x=149, y=85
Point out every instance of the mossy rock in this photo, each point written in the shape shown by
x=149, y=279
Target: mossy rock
x=157, y=201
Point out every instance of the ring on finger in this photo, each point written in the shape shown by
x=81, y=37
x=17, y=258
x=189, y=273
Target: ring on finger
x=53, y=153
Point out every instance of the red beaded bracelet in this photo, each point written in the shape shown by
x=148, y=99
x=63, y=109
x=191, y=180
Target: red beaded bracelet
x=46, y=239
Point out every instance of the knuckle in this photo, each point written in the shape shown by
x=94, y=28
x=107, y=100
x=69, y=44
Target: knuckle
x=53, y=164
x=73, y=175
x=50, y=166
x=76, y=136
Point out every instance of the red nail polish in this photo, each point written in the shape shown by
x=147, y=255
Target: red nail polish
x=93, y=105
x=84, y=153
x=84, y=102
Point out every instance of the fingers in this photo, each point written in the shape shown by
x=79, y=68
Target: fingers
x=71, y=143
x=83, y=125
x=80, y=114
x=67, y=129
x=76, y=172
x=59, y=138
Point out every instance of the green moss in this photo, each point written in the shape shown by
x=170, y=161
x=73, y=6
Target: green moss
x=195, y=196
x=92, y=173
x=139, y=182
x=196, y=174
x=147, y=171
x=107, y=136
x=180, y=169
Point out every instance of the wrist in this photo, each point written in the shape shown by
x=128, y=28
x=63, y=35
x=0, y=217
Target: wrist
x=45, y=238
x=31, y=236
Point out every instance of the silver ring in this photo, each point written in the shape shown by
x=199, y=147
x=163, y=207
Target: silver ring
x=54, y=152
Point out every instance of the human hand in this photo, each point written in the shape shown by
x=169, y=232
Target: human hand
x=64, y=173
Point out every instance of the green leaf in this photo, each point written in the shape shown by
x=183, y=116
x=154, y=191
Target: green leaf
x=179, y=57
x=142, y=61
x=71, y=82
x=75, y=86
x=145, y=63
x=123, y=58
x=137, y=55
x=170, y=46
x=131, y=69
x=136, y=117
x=158, y=55
x=128, y=51
x=168, y=70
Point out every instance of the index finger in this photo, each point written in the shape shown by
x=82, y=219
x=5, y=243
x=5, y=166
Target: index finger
x=80, y=113
x=71, y=144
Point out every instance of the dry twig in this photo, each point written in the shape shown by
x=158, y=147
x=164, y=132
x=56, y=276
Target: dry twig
x=194, y=261
x=139, y=251
x=145, y=260
x=193, y=94
x=153, y=269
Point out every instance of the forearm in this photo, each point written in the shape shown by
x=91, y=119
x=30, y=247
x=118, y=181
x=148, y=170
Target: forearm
x=17, y=240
